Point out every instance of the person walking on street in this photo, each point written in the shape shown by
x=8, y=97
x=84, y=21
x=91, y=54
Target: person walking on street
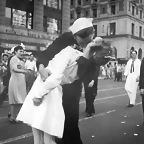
x=132, y=73
x=17, y=84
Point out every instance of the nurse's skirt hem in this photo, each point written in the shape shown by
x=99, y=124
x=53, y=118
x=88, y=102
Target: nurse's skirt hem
x=40, y=129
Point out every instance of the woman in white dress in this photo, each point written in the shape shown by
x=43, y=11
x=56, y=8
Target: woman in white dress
x=17, y=83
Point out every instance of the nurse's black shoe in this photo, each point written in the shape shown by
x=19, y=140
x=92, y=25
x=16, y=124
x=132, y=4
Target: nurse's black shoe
x=13, y=121
x=9, y=115
x=89, y=115
x=130, y=105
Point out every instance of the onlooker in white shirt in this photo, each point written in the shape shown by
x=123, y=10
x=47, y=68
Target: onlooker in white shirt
x=31, y=63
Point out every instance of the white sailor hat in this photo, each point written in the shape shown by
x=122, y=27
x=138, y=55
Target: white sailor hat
x=81, y=24
x=134, y=51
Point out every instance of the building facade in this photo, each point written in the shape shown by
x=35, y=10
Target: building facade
x=35, y=23
x=122, y=21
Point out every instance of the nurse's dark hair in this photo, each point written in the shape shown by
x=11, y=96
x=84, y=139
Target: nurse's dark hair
x=18, y=48
x=84, y=32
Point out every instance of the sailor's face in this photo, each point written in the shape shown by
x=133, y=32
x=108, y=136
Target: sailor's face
x=133, y=55
x=84, y=41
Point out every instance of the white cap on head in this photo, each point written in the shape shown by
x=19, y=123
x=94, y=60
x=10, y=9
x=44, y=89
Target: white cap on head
x=134, y=51
x=12, y=49
x=81, y=24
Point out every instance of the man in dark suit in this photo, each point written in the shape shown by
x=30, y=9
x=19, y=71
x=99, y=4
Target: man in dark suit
x=90, y=86
x=141, y=85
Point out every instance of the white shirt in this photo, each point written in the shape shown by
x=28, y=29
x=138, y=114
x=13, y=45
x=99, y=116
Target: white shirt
x=31, y=65
x=137, y=64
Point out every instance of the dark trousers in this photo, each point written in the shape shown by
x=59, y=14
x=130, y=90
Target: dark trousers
x=143, y=103
x=119, y=76
x=4, y=95
x=71, y=98
x=90, y=95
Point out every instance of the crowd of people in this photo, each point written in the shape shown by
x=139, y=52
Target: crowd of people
x=113, y=71
x=45, y=93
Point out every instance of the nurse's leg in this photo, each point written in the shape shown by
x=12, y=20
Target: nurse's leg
x=49, y=139
x=38, y=136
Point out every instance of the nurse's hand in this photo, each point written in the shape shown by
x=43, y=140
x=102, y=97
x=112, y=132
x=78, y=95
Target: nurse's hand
x=142, y=91
x=44, y=73
x=37, y=101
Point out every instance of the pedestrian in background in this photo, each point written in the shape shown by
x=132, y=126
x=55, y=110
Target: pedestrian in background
x=90, y=87
x=4, y=66
x=132, y=72
x=17, y=84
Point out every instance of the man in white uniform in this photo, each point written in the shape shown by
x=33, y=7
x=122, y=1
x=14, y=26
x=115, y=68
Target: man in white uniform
x=132, y=73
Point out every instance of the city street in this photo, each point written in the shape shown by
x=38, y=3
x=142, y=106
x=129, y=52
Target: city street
x=113, y=123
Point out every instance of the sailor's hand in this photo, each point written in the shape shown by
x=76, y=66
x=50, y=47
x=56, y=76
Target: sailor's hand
x=37, y=101
x=44, y=73
x=142, y=91
x=91, y=83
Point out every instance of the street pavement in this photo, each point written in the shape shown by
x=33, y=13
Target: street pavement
x=113, y=123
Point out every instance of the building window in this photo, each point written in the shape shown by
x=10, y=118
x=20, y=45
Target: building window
x=57, y=4
x=18, y=18
x=143, y=32
x=133, y=10
x=79, y=2
x=113, y=9
x=71, y=16
x=140, y=14
x=86, y=13
x=78, y=14
x=133, y=26
x=95, y=27
x=103, y=11
x=103, y=29
x=52, y=26
x=112, y=28
x=129, y=6
x=140, y=31
x=137, y=10
x=95, y=13
x=71, y=2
